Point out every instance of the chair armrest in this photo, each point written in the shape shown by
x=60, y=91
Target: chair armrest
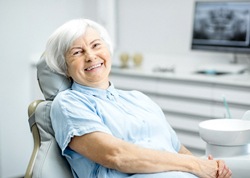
x=36, y=138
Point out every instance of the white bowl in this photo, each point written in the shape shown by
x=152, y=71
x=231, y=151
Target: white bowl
x=229, y=132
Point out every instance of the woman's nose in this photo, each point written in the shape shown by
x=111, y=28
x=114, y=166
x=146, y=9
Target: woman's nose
x=90, y=56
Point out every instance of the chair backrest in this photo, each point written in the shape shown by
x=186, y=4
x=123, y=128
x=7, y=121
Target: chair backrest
x=46, y=160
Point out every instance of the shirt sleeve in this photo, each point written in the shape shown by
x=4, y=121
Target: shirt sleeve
x=175, y=140
x=74, y=116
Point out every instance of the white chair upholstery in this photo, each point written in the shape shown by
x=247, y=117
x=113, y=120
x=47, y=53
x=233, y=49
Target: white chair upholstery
x=46, y=160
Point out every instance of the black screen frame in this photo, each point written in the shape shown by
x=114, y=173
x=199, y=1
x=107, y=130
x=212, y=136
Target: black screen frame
x=217, y=45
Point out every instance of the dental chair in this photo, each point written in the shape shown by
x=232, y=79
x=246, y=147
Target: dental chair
x=46, y=160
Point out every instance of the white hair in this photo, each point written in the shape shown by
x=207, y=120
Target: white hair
x=61, y=40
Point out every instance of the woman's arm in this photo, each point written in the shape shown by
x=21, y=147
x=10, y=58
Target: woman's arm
x=125, y=157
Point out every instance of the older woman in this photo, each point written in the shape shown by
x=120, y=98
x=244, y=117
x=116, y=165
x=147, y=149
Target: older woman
x=106, y=132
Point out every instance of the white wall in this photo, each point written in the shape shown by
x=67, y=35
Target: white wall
x=156, y=26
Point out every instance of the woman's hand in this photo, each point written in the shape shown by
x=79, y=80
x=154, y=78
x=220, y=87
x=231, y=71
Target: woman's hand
x=210, y=168
x=207, y=168
x=216, y=169
x=223, y=171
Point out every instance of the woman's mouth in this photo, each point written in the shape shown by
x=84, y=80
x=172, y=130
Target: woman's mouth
x=93, y=67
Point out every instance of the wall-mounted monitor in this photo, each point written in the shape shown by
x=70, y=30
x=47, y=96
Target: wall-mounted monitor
x=221, y=26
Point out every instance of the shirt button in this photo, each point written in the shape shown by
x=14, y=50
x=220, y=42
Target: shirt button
x=110, y=97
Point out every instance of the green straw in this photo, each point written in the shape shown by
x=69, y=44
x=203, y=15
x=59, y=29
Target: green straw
x=226, y=106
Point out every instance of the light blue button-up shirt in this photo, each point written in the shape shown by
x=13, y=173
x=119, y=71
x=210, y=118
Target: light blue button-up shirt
x=128, y=115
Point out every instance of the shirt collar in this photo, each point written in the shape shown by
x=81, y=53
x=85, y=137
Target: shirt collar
x=101, y=93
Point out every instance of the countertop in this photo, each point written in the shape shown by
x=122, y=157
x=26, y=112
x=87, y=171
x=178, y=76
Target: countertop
x=242, y=80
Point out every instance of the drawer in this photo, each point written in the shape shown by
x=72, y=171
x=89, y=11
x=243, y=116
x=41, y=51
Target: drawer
x=238, y=95
x=185, y=89
x=237, y=111
x=184, y=106
x=184, y=122
x=134, y=83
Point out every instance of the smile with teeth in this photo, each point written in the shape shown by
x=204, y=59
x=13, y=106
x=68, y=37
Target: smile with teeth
x=93, y=67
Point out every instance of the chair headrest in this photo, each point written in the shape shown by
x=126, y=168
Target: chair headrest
x=51, y=83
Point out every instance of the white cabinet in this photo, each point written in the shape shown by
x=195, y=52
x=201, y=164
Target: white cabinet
x=238, y=98
x=187, y=100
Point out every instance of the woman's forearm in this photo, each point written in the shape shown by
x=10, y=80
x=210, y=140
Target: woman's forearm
x=142, y=160
x=129, y=158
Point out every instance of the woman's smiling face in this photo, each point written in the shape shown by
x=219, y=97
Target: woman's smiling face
x=89, y=60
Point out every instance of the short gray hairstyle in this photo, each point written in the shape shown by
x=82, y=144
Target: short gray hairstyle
x=61, y=40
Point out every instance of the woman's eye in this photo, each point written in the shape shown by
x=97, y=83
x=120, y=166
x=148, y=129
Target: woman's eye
x=96, y=45
x=77, y=53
